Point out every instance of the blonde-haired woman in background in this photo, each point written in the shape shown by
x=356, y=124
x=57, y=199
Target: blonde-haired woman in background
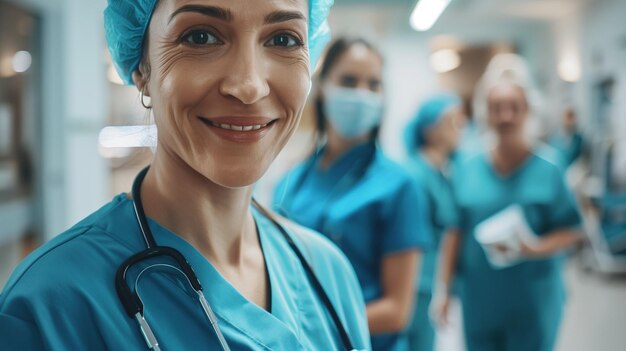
x=511, y=291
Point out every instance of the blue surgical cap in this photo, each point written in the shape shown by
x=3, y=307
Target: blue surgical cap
x=429, y=113
x=126, y=22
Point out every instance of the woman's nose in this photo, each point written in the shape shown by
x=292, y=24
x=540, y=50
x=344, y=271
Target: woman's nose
x=507, y=115
x=245, y=78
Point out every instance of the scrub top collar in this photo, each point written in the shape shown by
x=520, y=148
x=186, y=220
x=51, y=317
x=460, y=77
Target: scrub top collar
x=233, y=308
x=513, y=174
x=345, y=162
x=424, y=161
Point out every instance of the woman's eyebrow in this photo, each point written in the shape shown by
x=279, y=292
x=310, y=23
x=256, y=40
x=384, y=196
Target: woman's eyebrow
x=284, y=16
x=211, y=11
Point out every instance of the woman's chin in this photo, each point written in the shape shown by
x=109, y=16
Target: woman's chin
x=236, y=179
x=237, y=183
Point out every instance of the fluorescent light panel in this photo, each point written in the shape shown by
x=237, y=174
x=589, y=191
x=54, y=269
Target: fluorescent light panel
x=426, y=13
x=128, y=136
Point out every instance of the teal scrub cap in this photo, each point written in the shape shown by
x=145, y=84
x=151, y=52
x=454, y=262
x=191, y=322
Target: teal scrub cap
x=429, y=113
x=126, y=22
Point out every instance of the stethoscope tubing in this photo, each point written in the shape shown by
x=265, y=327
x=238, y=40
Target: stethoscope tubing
x=132, y=302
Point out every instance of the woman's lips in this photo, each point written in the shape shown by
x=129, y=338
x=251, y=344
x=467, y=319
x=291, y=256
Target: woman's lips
x=239, y=129
x=236, y=127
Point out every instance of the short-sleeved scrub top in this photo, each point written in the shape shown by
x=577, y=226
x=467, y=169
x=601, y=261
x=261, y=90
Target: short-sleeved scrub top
x=63, y=297
x=366, y=204
x=521, y=304
x=441, y=213
x=440, y=216
x=570, y=146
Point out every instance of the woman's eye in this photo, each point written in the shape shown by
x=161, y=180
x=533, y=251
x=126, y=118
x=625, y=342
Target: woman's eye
x=200, y=37
x=348, y=81
x=374, y=85
x=284, y=40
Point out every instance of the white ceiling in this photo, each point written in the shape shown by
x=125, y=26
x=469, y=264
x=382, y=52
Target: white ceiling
x=528, y=9
x=523, y=9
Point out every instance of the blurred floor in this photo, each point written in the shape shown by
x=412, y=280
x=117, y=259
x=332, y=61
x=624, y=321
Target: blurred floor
x=595, y=317
x=594, y=320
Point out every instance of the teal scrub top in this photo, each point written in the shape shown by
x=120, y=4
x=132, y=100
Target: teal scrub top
x=568, y=145
x=531, y=288
x=441, y=213
x=62, y=297
x=368, y=216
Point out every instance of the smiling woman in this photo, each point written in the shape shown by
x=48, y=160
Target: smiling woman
x=226, y=66
x=228, y=81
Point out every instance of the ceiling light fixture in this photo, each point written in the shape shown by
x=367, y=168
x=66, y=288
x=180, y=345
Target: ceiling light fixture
x=426, y=13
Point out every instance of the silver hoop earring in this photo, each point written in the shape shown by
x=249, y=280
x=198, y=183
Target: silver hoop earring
x=143, y=103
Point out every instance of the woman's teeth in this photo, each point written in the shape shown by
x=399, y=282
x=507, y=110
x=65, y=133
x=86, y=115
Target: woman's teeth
x=238, y=128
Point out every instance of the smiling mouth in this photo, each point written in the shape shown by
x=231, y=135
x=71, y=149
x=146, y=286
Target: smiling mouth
x=238, y=128
x=243, y=126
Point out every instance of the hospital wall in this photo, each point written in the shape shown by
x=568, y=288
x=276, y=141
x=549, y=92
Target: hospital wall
x=70, y=177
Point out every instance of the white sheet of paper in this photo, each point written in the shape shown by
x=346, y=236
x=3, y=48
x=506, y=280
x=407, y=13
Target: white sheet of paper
x=507, y=228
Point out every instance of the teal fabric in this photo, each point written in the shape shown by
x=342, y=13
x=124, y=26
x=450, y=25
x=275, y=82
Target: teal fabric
x=421, y=332
x=62, y=297
x=441, y=213
x=569, y=145
x=126, y=23
x=550, y=153
x=371, y=218
x=441, y=216
x=502, y=306
x=532, y=331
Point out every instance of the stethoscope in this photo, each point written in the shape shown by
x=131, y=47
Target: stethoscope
x=132, y=301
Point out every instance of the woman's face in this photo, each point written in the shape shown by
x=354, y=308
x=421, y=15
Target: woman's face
x=507, y=110
x=447, y=131
x=359, y=68
x=228, y=81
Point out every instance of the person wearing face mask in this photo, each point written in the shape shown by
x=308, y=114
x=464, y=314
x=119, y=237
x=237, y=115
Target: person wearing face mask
x=517, y=217
x=187, y=260
x=431, y=138
x=350, y=192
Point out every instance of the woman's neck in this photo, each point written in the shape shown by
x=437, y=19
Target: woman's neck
x=337, y=145
x=217, y=221
x=509, y=154
x=436, y=156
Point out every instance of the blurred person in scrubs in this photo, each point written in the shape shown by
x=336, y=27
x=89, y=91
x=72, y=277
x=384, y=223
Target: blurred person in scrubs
x=517, y=306
x=568, y=140
x=227, y=82
x=352, y=193
x=431, y=139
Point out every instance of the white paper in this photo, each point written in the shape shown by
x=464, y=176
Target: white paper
x=507, y=228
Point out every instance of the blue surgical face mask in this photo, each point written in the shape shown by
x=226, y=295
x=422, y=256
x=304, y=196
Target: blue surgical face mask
x=352, y=112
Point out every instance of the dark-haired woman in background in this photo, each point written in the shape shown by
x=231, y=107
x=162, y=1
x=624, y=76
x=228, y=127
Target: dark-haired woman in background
x=349, y=191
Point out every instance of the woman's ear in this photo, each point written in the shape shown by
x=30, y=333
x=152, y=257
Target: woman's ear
x=140, y=82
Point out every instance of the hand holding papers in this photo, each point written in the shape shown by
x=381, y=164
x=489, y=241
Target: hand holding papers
x=503, y=236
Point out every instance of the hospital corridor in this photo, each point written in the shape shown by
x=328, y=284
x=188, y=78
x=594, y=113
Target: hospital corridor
x=381, y=175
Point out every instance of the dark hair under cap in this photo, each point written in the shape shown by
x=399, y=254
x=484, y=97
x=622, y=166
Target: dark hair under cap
x=332, y=56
